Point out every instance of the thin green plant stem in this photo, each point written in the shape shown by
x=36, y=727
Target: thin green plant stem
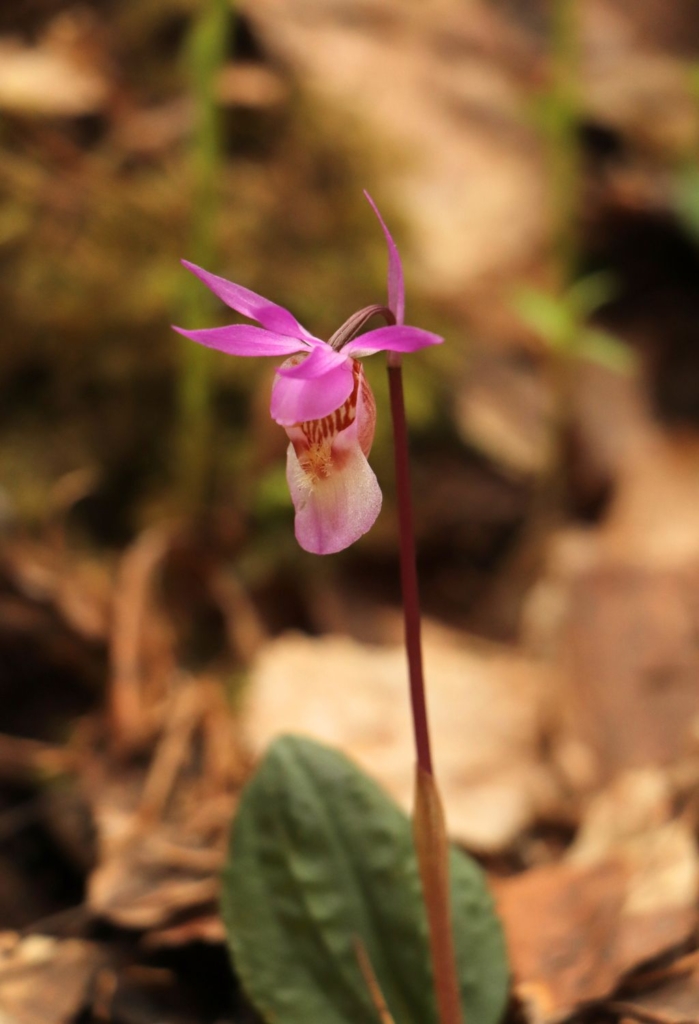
x=563, y=141
x=548, y=501
x=206, y=50
x=429, y=828
x=566, y=187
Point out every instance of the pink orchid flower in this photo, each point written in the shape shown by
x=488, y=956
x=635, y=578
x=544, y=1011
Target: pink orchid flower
x=322, y=399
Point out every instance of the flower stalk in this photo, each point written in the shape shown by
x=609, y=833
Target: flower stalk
x=429, y=827
x=408, y=570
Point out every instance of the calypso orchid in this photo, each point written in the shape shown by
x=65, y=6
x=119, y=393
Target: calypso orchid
x=322, y=399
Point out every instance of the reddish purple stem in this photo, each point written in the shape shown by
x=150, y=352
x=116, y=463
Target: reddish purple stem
x=408, y=571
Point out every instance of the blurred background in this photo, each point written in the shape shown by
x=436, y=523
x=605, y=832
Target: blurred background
x=518, y=150
x=537, y=163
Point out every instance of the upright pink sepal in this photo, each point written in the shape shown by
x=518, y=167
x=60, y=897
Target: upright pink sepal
x=396, y=281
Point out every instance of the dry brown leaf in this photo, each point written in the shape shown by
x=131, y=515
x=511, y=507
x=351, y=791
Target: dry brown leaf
x=561, y=926
x=633, y=667
x=505, y=410
x=62, y=75
x=436, y=84
x=44, y=980
x=487, y=708
x=251, y=84
x=632, y=822
x=448, y=87
x=625, y=894
x=137, y=891
x=628, y=83
x=618, y=606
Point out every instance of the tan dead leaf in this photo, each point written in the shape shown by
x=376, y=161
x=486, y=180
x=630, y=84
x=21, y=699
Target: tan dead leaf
x=505, y=410
x=440, y=86
x=630, y=83
x=632, y=664
x=44, y=980
x=561, y=926
x=152, y=872
x=251, y=84
x=618, y=606
x=139, y=890
x=631, y=821
x=487, y=707
x=625, y=894
x=48, y=79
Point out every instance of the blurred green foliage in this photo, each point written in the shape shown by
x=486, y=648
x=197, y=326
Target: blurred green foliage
x=562, y=321
x=207, y=45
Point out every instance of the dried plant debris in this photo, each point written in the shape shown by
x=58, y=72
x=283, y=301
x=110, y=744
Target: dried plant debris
x=625, y=893
x=45, y=980
x=488, y=706
x=617, y=611
x=162, y=833
x=62, y=75
x=451, y=78
x=666, y=995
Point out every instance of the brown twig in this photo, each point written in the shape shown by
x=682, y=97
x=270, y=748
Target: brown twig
x=131, y=596
x=183, y=718
x=646, y=1016
x=20, y=757
x=651, y=978
x=372, y=983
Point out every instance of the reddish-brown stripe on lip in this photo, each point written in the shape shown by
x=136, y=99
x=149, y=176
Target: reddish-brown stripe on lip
x=327, y=428
x=314, y=440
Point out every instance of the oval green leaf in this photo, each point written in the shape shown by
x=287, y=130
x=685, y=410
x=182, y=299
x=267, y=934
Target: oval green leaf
x=320, y=858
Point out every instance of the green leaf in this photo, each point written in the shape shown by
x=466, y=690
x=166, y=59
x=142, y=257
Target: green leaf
x=603, y=348
x=319, y=858
x=547, y=315
x=685, y=197
x=693, y=79
x=588, y=293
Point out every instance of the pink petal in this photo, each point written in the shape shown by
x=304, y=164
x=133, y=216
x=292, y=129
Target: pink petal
x=334, y=512
x=244, y=340
x=396, y=282
x=295, y=400
x=275, y=318
x=319, y=361
x=391, y=339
